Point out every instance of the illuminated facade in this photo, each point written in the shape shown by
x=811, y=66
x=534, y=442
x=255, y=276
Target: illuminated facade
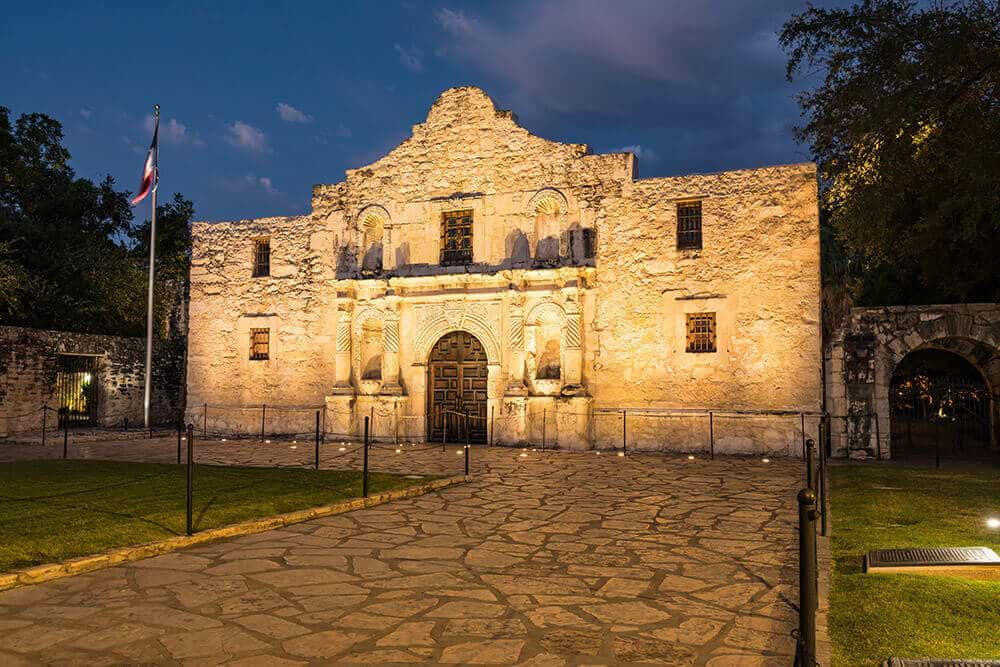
x=532, y=285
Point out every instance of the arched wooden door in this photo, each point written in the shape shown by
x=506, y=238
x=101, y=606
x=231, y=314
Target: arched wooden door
x=457, y=377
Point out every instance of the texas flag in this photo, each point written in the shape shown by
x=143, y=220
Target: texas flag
x=149, y=175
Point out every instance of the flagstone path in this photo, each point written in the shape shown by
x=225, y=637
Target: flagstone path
x=552, y=558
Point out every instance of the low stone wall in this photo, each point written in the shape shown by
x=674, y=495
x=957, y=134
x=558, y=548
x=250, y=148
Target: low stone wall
x=29, y=368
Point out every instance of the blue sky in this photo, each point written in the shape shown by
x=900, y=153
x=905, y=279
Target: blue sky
x=260, y=100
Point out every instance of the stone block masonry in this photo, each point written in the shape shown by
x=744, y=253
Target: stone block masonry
x=526, y=283
x=30, y=366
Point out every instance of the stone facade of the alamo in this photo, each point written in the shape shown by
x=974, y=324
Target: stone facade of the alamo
x=533, y=285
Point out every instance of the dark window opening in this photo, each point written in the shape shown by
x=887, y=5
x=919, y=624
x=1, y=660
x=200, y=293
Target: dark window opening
x=689, y=226
x=456, y=238
x=700, y=332
x=260, y=344
x=261, y=258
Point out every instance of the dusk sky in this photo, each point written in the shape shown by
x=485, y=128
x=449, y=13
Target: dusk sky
x=262, y=100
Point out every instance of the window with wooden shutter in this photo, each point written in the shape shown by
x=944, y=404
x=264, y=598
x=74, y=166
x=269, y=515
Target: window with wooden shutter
x=456, y=238
x=261, y=257
x=260, y=344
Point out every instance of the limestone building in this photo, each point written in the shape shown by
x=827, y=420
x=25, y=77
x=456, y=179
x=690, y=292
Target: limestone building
x=533, y=285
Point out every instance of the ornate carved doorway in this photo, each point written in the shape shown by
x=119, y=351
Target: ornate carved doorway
x=456, y=379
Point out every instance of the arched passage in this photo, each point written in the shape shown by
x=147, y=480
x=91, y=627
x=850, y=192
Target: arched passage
x=457, y=380
x=940, y=405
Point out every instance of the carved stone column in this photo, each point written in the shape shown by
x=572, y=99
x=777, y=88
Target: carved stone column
x=573, y=353
x=390, y=351
x=342, y=355
x=515, y=342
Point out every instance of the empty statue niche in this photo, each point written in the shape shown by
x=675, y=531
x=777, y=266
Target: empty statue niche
x=543, y=342
x=549, y=215
x=372, y=230
x=371, y=351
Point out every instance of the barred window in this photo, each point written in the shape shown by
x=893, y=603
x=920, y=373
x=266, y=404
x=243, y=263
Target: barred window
x=700, y=332
x=689, y=226
x=456, y=238
x=260, y=344
x=261, y=257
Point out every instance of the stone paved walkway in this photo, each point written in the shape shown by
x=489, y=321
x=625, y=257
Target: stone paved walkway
x=548, y=559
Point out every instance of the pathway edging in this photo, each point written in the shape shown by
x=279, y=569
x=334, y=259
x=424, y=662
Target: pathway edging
x=81, y=564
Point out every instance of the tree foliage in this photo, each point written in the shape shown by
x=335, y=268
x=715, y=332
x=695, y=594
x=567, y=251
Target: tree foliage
x=905, y=128
x=71, y=255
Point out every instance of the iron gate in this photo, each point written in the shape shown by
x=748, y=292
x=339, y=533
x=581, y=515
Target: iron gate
x=940, y=416
x=76, y=387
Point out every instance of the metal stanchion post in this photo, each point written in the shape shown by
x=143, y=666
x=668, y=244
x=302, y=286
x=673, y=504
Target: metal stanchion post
x=263, y=414
x=823, y=509
x=466, y=444
x=317, y=440
x=624, y=432
x=204, y=422
x=493, y=418
x=395, y=424
x=65, y=421
x=444, y=428
x=364, y=474
x=711, y=436
x=190, y=477
x=126, y=422
x=545, y=414
x=811, y=464
x=802, y=415
x=878, y=440
x=808, y=592
x=937, y=442
x=45, y=413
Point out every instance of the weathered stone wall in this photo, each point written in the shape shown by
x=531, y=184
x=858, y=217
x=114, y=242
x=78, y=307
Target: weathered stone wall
x=862, y=355
x=362, y=270
x=29, y=365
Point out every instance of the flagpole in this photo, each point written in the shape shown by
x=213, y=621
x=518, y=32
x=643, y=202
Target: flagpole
x=152, y=273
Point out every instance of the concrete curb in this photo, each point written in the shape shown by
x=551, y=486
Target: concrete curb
x=74, y=566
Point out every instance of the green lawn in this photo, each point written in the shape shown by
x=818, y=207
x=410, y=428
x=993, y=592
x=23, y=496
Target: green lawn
x=873, y=617
x=53, y=510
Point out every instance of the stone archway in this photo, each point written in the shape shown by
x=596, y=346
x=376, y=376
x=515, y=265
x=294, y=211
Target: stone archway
x=457, y=381
x=940, y=405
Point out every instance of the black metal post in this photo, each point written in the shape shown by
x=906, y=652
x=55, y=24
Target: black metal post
x=263, y=414
x=190, y=477
x=802, y=415
x=65, y=422
x=493, y=418
x=545, y=414
x=937, y=442
x=711, y=436
x=317, y=440
x=204, y=422
x=467, y=443
x=126, y=422
x=364, y=476
x=444, y=428
x=808, y=592
x=811, y=464
x=624, y=432
x=45, y=413
x=823, y=509
x=878, y=440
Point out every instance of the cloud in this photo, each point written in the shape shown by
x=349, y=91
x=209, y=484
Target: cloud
x=646, y=154
x=172, y=131
x=343, y=131
x=412, y=58
x=290, y=114
x=246, y=136
x=628, y=60
x=86, y=113
x=250, y=184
